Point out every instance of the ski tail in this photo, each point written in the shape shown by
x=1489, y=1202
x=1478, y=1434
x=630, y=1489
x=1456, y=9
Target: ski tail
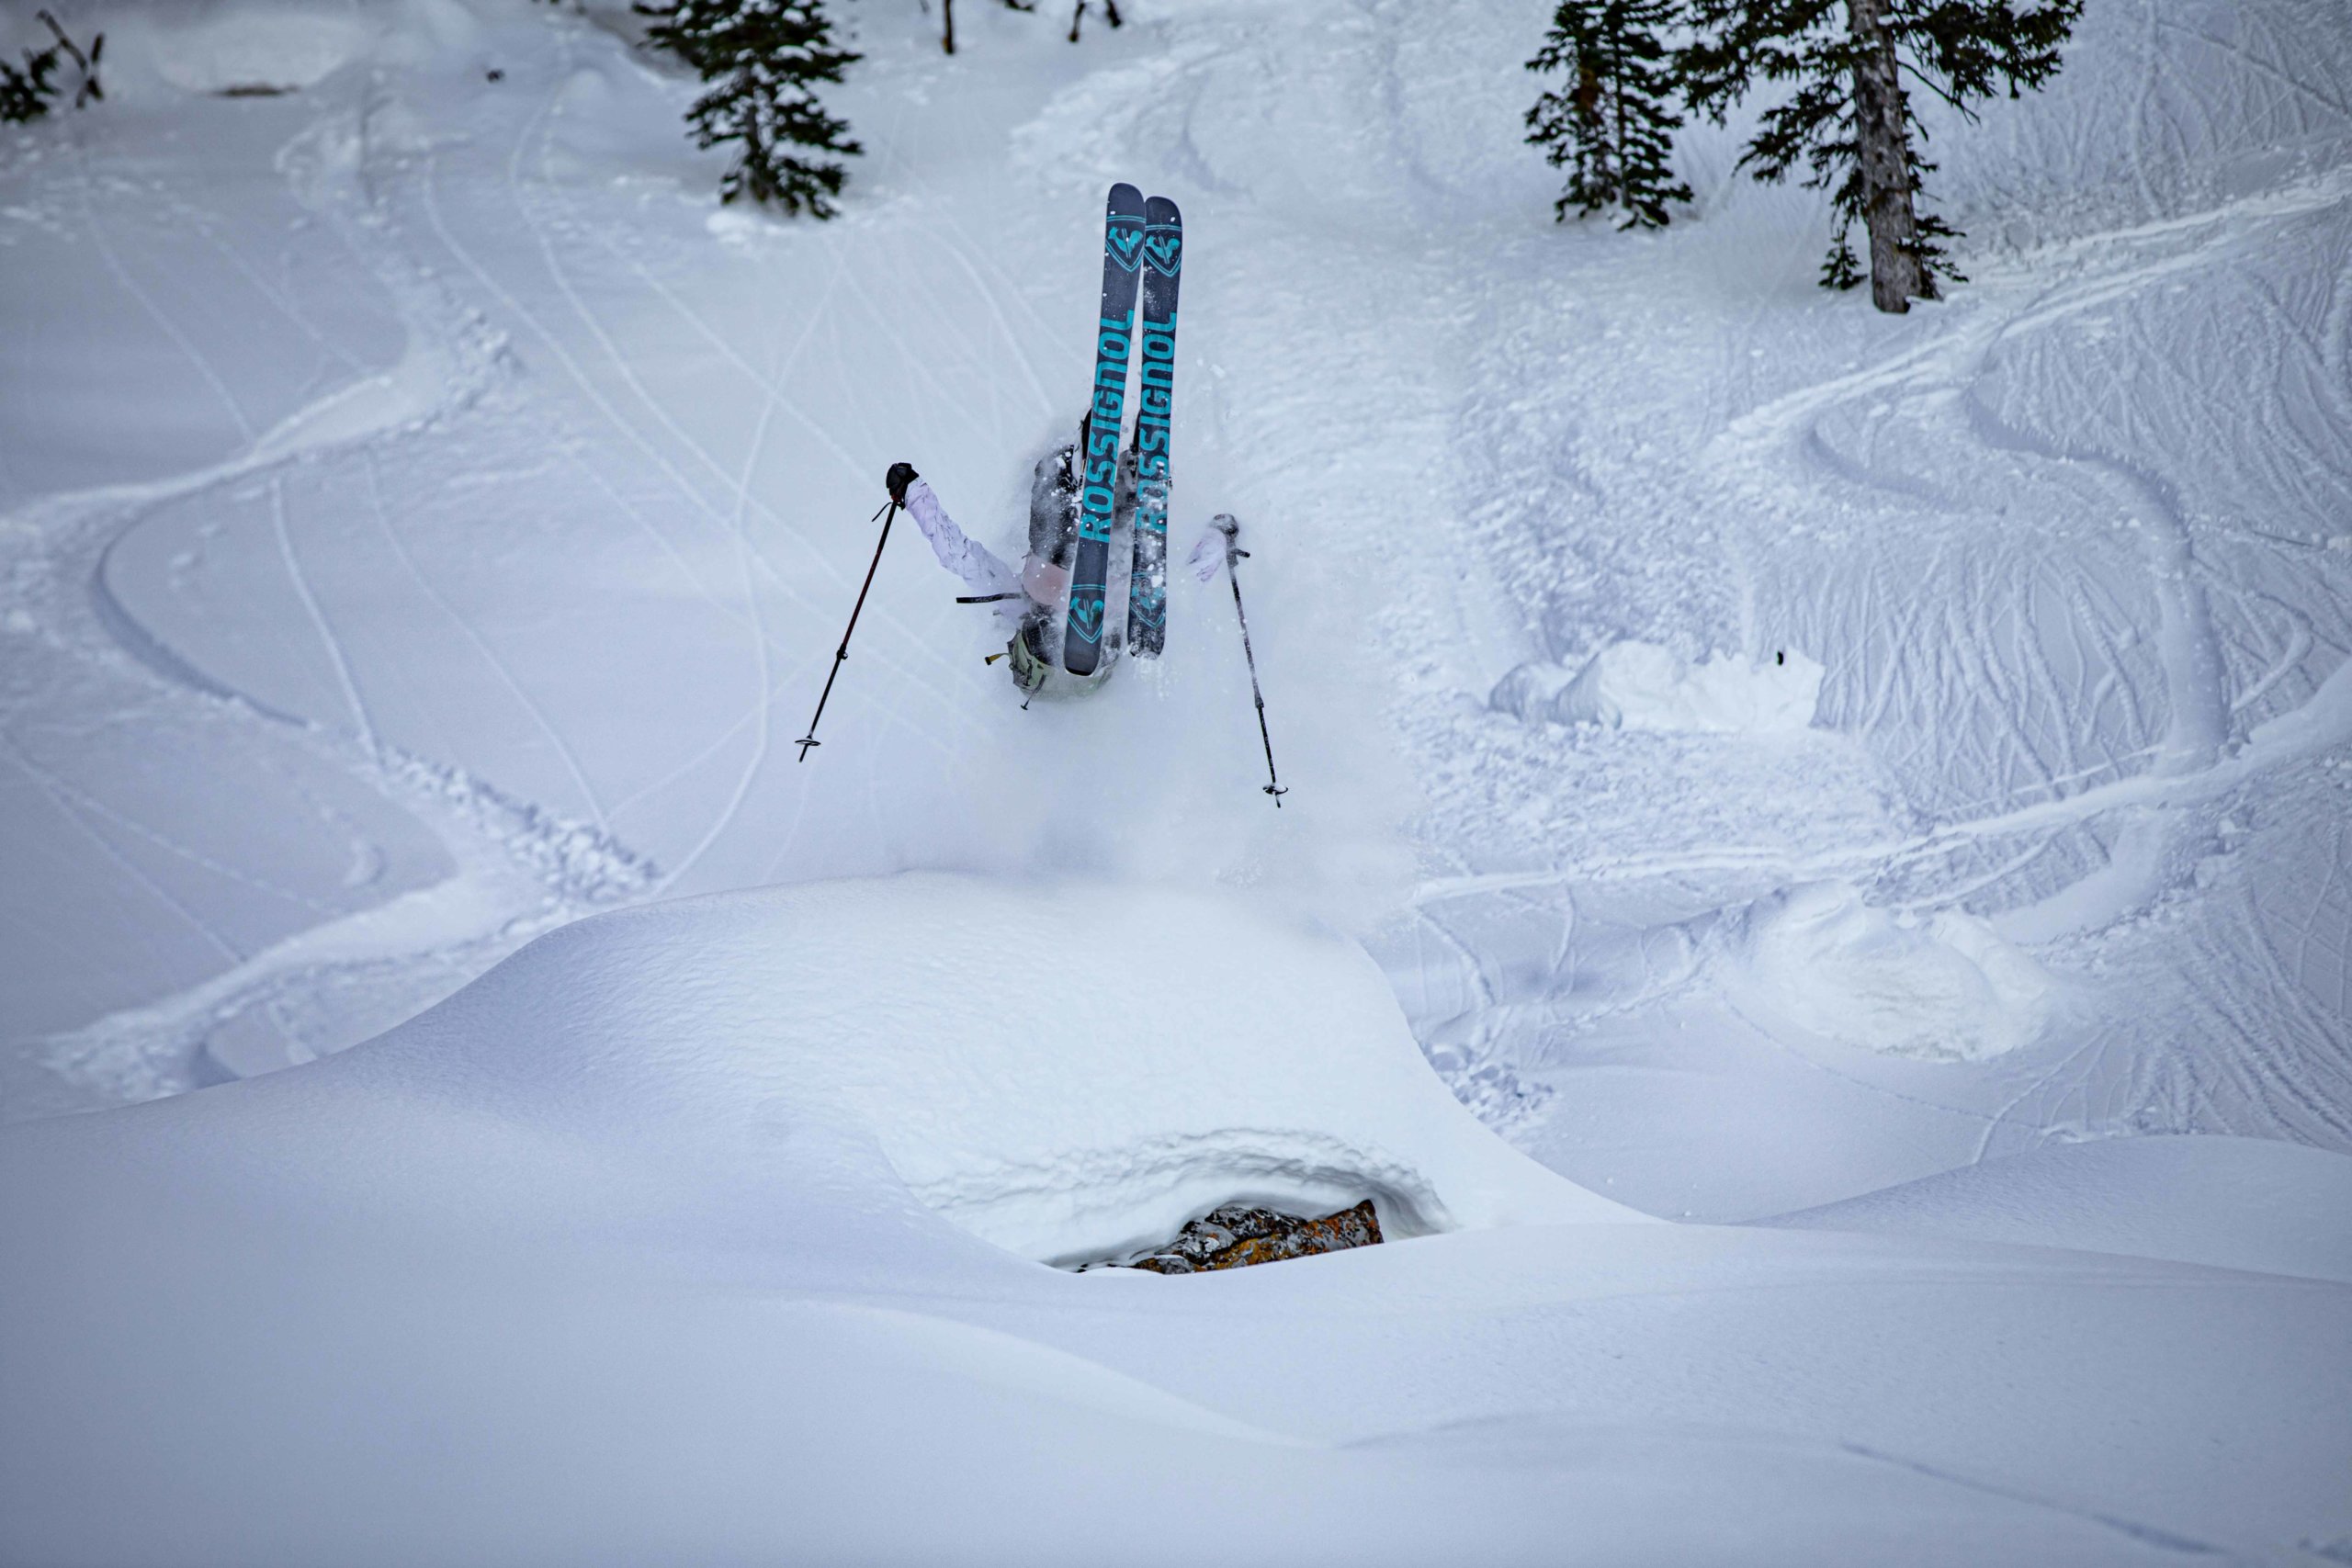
x=1163, y=253
x=1123, y=251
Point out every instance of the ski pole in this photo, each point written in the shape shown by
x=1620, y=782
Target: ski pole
x=1234, y=555
x=810, y=738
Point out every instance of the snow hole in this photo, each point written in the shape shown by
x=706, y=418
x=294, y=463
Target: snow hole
x=250, y=51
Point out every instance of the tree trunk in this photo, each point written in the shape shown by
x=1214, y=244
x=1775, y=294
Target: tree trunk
x=1617, y=138
x=948, y=30
x=1885, y=146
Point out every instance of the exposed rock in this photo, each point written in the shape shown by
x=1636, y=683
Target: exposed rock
x=1237, y=1236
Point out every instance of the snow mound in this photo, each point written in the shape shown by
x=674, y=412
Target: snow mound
x=2246, y=1204
x=1640, y=685
x=221, y=48
x=1058, y=1106
x=1946, y=987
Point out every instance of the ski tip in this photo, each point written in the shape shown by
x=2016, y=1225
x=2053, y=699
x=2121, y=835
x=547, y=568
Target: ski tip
x=1123, y=232
x=1163, y=229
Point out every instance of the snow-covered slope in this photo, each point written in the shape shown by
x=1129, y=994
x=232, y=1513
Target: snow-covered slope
x=2229, y=1202
x=447, y=419
x=426, y=519
x=663, y=1242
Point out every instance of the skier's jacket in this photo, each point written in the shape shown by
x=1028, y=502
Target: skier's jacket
x=1039, y=583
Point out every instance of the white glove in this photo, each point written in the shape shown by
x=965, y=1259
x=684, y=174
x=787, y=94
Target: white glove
x=1209, y=554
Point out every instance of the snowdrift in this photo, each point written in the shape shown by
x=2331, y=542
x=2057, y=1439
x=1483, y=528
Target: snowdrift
x=250, y=49
x=1817, y=962
x=1067, y=1072
x=634, y=1251
x=2245, y=1203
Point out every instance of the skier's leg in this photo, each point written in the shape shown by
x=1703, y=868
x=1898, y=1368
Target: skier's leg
x=1053, y=506
x=1122, y=533
x=1053, y=538
x=1123, y=514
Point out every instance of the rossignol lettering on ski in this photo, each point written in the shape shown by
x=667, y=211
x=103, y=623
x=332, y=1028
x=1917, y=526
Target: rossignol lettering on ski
x=1163, y=261
x=1123, y=251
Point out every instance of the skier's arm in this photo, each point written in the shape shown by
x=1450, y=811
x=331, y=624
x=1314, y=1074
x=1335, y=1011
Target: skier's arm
x=981, y=571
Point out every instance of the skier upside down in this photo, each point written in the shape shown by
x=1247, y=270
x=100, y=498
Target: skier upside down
x=1028, y=597
x=1057, y=603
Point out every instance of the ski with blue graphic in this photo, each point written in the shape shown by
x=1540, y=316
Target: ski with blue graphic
x=1163, y=263
x=1123, y=238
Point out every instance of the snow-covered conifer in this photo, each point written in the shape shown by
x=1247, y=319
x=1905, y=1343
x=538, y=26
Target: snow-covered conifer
x=763, y=58
x=1849, y=115
x=25, y=94
x=1611, y=124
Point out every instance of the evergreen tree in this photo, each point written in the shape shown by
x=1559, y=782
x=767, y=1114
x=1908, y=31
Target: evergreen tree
x=1848, y=118
x=763, y=56
x=25, y=94
x=1612, y=125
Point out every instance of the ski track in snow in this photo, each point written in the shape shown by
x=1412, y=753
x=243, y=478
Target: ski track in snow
x=2152, y=809
x=2065, y=691
x=509, y=870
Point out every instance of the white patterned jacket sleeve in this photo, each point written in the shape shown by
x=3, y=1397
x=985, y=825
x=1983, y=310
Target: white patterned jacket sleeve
x=981, y=572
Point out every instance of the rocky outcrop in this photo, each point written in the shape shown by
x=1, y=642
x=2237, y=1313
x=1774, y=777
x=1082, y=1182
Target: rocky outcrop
x=1237, y=1236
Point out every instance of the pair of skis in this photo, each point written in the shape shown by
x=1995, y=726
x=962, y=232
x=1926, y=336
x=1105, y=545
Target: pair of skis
x=1143, y=258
